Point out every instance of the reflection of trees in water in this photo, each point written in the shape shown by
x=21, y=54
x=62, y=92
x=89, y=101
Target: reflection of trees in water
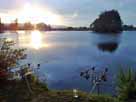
x=110, y=47
x=107, y=43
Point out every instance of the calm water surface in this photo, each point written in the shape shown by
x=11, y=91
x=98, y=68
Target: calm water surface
x=63, y=55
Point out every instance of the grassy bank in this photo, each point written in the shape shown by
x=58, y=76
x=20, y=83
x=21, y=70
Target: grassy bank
x=19, y=92
x=67, y=96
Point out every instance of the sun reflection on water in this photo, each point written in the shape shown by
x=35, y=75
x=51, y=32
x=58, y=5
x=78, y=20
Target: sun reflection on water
x=36, y=40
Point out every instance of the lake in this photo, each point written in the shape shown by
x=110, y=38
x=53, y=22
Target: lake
x=64, y=54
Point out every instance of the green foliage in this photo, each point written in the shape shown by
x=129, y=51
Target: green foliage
x=126, y=85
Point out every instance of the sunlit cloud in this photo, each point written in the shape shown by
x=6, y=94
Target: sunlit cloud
x=60, y=12
x=33, y=14
x=75, y=15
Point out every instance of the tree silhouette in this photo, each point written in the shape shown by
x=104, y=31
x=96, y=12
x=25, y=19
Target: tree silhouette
x=14, y=25
x=28, y=26
x=43, y=27
x=107, y=22
x=1, y=26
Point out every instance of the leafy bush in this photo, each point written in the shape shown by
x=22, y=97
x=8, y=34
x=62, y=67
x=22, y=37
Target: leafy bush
x=9, y=58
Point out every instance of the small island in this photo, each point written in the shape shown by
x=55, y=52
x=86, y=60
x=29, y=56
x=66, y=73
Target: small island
x=108, y=22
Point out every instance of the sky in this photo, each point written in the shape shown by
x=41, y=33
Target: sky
x=66, y=12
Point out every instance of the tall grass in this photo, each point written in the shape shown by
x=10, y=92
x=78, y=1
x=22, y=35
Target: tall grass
x=126, y=85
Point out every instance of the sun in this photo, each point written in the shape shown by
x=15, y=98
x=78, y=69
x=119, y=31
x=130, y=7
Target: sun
x=37, y=14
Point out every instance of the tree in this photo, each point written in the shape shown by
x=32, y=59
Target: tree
x=1, y=26
x=9, y=58
x=14, y=25
x=43, y=26
x=28, y=26
x=107, y=22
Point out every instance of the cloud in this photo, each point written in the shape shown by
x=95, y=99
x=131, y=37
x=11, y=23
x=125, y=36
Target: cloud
x=75, y=15
x=77, y=12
